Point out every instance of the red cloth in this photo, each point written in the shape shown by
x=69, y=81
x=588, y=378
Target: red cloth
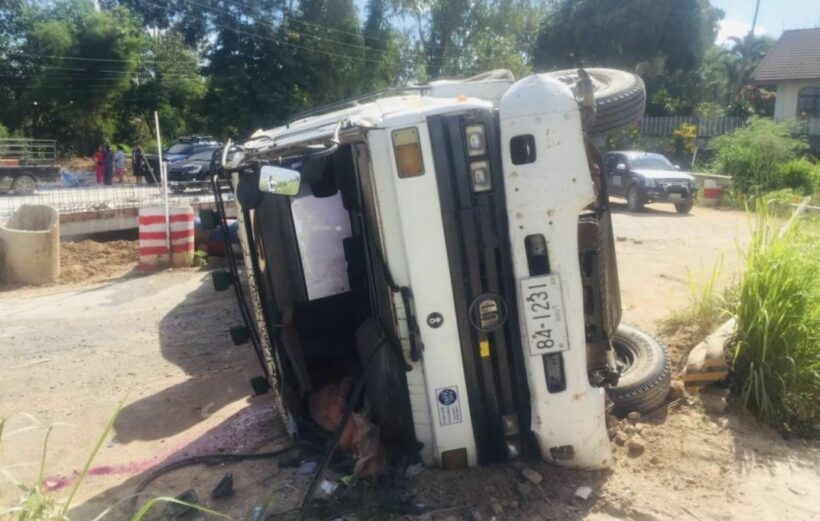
x=99, y=164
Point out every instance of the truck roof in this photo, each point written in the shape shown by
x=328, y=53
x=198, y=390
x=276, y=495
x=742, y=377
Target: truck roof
x=390, y=108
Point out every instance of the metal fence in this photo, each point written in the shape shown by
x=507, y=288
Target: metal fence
x=710, y=127
x=97, y=198
x=28, y=151
x=707, y=127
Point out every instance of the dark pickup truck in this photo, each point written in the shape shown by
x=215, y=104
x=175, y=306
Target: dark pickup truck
x=644, y=177
x=26, y=162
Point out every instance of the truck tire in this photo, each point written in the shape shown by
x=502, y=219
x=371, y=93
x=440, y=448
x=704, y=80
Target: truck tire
x=646, y=372
x=620, y=97
x=24, y=185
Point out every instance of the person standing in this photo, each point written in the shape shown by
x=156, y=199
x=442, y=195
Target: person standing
x=99, y=163
x=119, y=163
x=136, y=164
x=108, y=161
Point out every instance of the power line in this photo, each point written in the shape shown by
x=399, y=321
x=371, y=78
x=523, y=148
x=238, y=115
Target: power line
x=283, y=42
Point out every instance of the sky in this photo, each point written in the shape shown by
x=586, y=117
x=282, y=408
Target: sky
x=774, y=17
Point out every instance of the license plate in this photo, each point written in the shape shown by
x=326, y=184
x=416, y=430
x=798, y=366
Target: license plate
x=544, y=315
x=674, y=196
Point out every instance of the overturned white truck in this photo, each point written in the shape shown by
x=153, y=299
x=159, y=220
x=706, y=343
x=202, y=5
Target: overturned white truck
x=450, y=246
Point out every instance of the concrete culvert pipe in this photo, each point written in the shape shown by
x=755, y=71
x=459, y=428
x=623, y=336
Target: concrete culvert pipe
x=30, y=246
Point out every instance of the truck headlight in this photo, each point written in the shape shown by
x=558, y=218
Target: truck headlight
x=480, y=176
x=650, y=183
x=407, y=147
x=476, y=140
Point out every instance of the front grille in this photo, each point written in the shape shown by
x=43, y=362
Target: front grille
x=478, y=248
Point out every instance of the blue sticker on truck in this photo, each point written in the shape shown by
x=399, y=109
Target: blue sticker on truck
x=449, y=406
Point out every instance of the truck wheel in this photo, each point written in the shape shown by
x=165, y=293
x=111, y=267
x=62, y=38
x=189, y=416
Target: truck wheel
x=23, y=185
x=620, y=97
x=683, y=207
x=634, y=203
x=646, y=372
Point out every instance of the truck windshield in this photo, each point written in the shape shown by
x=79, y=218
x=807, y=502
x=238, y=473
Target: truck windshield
x=651, y=163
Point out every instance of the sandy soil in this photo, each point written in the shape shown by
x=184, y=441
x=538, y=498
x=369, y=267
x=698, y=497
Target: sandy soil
x=160, y=344
x=85, y=262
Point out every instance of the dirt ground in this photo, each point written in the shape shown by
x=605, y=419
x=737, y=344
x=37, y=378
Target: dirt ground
x=87, y=261
x=159, y=344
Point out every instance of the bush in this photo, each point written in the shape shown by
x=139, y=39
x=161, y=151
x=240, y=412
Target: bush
x=751, y=155
x=800, y=175
x=776, y=355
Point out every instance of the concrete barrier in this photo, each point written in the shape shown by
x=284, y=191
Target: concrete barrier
x=154, y=241
x=30, y=246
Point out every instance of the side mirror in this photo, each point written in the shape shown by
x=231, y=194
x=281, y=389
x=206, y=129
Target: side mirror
x=278, y=180
x=620, y=166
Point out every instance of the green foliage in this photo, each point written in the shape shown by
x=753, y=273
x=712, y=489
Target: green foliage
x=752, y=154
x=4, y=132
x=461, y=38
x=684, y=139
x=200, y=259
x=707, y=306
x=776, y=355
x=626, y=33
x=800, y=175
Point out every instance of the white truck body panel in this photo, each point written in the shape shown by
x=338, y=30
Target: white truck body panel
x=545, y=197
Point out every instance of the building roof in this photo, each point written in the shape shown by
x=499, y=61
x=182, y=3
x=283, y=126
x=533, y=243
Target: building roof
x=795, y=56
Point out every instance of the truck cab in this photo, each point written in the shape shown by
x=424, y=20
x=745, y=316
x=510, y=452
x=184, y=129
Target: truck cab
x=451, y=248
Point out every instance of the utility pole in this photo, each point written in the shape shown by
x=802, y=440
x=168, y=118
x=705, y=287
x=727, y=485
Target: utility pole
x=747, y=50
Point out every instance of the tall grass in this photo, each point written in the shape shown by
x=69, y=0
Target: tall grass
x=776, y=355
x=706, y=308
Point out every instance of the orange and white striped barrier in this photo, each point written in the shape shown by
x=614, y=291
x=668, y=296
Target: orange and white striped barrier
x=153, y=237
x=712, y=192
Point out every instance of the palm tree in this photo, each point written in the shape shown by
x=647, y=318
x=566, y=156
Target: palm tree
x=741, y=58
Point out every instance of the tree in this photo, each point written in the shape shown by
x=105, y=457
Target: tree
x=741, y=59
x=461, y=37
x=662, y=41
x=626, y=33
x=72, y=62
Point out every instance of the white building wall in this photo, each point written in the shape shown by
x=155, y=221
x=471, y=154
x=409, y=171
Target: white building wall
x=785, y=105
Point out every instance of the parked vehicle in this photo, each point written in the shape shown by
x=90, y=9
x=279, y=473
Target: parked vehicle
x=451, y=247
x=191, y=172
x=644, y=177
x=26, y=162
x=181, y=149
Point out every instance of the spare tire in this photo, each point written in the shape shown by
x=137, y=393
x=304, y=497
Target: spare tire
x=645, y=372
x=620, y=97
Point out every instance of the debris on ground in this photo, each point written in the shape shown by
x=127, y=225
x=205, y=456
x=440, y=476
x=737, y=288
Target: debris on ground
x=715, y=401
x=224, y=488
x=636, y=446
x=360, y=435
x=583, y=492
x=634, y=417
x=532, y=476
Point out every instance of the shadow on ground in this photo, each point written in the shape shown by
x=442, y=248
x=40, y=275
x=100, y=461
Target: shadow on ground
x=194, y=337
